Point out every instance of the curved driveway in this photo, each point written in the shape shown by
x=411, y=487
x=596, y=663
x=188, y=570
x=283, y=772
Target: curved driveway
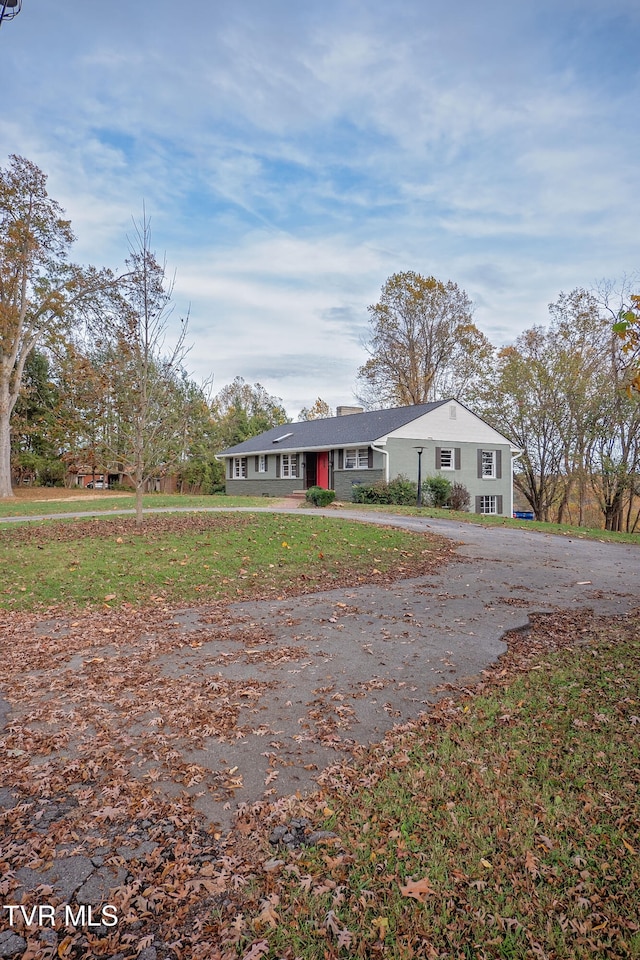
x=340, y=667
x=374, y=655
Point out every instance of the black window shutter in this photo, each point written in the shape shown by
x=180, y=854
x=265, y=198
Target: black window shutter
x=340, y=459
x=297, y=464
x=278, y=466
x=499, y=503
x=370, y=458
x=438, y=457
x=456, y=455
x=478, y=505
x=266, y=461
x=479, y=463
x=499, y=464
x=256, y=464
x=230, y=471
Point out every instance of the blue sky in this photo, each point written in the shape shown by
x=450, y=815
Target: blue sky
x=292, y=156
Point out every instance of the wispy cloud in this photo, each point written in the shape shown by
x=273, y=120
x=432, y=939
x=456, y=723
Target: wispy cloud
x=293, y=156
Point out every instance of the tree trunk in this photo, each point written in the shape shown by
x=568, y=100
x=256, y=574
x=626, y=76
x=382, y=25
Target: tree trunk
x=581, y=497
x=5, y=448
x=139, y=492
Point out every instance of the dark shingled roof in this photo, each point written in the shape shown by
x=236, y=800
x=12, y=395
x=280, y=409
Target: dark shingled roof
x=354, y=428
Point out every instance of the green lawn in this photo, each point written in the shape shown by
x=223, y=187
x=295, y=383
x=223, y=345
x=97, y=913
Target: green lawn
x=54, y=501
x=29, y=504
x=505, y=827
x=563, y=529
x=195, y=557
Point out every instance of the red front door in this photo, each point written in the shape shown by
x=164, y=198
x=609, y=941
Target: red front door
x=322, y=475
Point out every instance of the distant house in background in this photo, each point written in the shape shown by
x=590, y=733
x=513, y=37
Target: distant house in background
x=359, y=448
x=103, y=477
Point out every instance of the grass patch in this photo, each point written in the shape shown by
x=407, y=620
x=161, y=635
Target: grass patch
x=52, y=501
x=39, y=502
x=197, y=557
x=563, y=529
x=506, y=826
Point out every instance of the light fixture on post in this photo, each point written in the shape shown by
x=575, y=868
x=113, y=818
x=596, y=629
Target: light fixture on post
x=419, y=497
x=9, y=9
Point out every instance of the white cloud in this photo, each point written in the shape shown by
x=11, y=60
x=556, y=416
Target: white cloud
x=291, y=157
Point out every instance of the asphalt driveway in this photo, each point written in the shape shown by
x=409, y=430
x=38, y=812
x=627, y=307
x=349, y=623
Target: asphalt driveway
x=215, y=707
x=361, y=660
x=306, y=680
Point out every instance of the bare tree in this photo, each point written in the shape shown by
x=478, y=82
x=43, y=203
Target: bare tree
x=145, y=374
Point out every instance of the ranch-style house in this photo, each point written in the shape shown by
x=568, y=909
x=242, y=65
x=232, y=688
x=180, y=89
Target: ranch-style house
x=359, y=448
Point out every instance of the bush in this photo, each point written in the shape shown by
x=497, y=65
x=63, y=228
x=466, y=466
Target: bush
x=320, y=497
x=459, y=498
x=400, y=490
x=436, y=491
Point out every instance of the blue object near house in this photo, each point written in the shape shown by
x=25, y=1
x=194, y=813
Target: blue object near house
x=523, y=515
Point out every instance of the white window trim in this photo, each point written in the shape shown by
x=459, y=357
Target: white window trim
x=360, y=457
x=288, y=466
x=452, y=452
x=492, y=474
x=490, y=501
x=262, y=463
x=239, y=468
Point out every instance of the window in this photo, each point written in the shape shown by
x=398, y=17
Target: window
x=488, y=464
x=239, y=468
x=289, y=465
x=262, y=463
x=356, y=459
x=447, y=461
x=452, y=412
x=447, y=458
x=488, y=504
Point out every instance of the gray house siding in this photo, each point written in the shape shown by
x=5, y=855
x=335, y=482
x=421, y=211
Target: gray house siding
x=271, y=483
x=467, y=460
x=344, y=481
x=252, y=487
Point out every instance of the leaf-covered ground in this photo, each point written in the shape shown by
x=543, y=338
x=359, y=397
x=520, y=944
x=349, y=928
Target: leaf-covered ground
x=503, y=825
x=195, y=557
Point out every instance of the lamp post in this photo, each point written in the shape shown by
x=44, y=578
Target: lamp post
x=419, y=497
x=9, y=9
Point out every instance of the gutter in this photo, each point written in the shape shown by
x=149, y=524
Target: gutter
x=514, y=456
x=385, y=454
